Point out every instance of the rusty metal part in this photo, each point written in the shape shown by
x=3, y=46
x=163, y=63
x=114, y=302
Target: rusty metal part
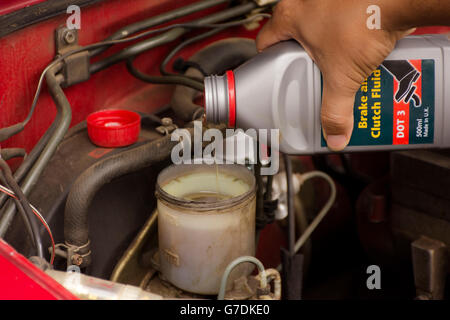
x=77, y=259
x=244, y=288
x=71, y=253
x=167, y=126
x=272, y=276
x=429, y=263
x=76, y=66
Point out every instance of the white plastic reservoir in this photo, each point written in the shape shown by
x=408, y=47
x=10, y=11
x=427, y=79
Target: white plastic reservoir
x=206, y=219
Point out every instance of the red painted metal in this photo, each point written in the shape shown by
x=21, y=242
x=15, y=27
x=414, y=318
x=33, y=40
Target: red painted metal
x=7, y=6
x=21, y=280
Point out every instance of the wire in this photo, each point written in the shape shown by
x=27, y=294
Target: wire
x=37, y=214
x=20, y=209
x=232, y=265
x=25, y=204
x=323, y=212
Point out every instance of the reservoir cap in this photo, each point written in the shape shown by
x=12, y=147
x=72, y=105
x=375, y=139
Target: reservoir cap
x=113, y=128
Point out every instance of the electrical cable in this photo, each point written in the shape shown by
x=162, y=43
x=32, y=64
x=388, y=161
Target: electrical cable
x=232, y=265
x=25, y=204
x=31, y=158
x=36, y=212
x=322, y=213
x=19, y=208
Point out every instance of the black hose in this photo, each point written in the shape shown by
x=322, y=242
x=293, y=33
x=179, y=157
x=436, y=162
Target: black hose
x=158, y=20
x=173, y=52
x=19, y=208
x=10, y=153
x=76, y=230
x=269, y=184
x=260, y=216
x=25, y=205
x=290, y=204
x=172, y=79
x=149, y=118
x=29, y=161
x=64, y=109
x=174, y=33
x=213, y=59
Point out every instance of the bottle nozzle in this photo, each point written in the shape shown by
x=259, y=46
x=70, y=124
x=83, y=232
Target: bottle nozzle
x=220, y=106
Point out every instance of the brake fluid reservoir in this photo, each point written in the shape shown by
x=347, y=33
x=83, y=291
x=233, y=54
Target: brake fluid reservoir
x=206, y=219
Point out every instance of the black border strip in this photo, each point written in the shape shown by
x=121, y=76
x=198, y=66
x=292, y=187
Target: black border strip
x=27, y=16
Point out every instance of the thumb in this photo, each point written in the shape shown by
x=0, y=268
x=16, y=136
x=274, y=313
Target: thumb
x=337, y=115
x=272, y=32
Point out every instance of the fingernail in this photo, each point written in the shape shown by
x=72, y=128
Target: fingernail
x=336, y=142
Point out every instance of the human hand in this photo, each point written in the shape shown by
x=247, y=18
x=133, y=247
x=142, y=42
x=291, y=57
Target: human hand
x=336, y=37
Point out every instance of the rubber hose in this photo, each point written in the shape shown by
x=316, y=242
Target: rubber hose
x=158, y=20
x=86, y=186
x=10, y=153
x=20, y=209
x=31, y=158
x=215, y=58
x=64, y=108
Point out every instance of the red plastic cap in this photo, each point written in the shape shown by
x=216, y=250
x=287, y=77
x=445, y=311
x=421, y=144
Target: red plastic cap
x=113, y=128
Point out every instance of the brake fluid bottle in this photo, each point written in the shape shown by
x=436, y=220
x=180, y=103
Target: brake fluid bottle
x=403, y=104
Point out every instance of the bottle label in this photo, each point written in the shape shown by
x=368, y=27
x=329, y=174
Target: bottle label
x=395, y=105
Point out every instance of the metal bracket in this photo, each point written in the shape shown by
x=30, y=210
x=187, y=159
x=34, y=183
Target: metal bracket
x=76, y=66
x=167, y=126
x=71, y=253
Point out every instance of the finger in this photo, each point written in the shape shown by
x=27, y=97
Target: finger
x=337, y=115
x=272, y=32
x=404, y=33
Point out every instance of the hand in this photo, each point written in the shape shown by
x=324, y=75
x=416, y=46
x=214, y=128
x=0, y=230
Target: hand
x=335, y=35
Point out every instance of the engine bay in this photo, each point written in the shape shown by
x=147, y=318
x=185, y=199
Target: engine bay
x=124, y=215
